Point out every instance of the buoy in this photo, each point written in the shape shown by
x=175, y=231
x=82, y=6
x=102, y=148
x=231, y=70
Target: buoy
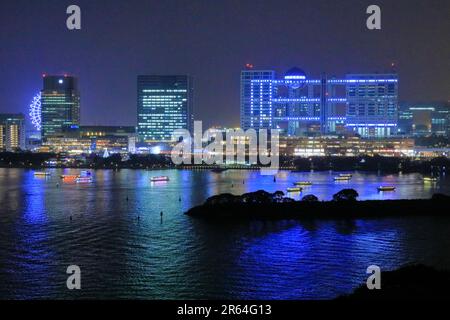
x=70, y=218
x=161, y=213
x=179, y=199
x=127, y=198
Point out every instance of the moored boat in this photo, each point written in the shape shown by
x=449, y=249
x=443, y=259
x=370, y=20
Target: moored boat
x=430, y=179
x=303, y=183
x=339, y=178
x=83, y=179
x=159, y=179
x=386, y=188
x=69, y=177
x=42, y=173
x=346, y=175
x=294, y=189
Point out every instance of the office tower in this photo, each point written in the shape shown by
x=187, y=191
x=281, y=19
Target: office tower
x=12, y=132
x=60, y=105
x=256, y=99
x=363, y=104
x=165, y=103
x=372, y=104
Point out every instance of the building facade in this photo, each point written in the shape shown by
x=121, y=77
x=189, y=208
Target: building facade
x=60, y=105
x=94, y=139
x=424, y=119
x=12, y=132
x=346, y=146
x=165, y=103
x=365, y=104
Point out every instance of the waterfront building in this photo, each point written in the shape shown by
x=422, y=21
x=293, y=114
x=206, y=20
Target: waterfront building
x=164, y=104
x=113, y=138
x=93, y=139
x=364, y=104
x=345, y=146
x=60, y=104
x=12, y=132
x=424, y=119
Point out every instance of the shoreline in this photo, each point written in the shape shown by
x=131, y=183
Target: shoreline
x=208, y=168
x=234, y=208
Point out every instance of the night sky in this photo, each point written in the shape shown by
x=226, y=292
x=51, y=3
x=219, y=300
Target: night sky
x=212, y=40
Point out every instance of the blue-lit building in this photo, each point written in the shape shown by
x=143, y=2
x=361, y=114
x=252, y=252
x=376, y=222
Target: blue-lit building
x=365, y=104
x=165, y=103
x=60, y=105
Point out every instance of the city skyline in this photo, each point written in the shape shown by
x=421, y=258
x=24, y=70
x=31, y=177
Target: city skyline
x=173, y=49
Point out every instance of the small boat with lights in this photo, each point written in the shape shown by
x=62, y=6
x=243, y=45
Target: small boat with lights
x=159, y=179
x=386, y=188
x=83, y=180
x=303, y=183
x=294, y=189
x=339, y=178
x=430, y=179
x=69, y=177
x=346, y=175
x=42, y=173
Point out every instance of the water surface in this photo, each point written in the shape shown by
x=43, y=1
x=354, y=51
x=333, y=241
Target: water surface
x=125, y=249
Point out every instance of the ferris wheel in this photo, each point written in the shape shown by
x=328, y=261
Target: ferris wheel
x=35, y=111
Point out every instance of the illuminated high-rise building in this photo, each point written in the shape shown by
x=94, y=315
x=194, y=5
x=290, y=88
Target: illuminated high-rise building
x=256, y=99
x=60, y=105
x=364, y=104
x=372, y=101
x=164, y=105
x=12, y=132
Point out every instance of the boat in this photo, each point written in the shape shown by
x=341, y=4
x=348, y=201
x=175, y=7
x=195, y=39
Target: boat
x=83, y=179
x=42, y=173
x=303, y=183
x=339, y=178
x=294, y=189
x=430, y=179
x=69, y=177
x=159, y=179
x=386, y=188
x=346, y=175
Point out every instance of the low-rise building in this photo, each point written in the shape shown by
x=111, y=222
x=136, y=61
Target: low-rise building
x=93, y=139
x=345, y=146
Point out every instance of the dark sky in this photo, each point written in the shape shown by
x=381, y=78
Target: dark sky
x=212, y=40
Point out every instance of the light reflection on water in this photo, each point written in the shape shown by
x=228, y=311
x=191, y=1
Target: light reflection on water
x=125, y=250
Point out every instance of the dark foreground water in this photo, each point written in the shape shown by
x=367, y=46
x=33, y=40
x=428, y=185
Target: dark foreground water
x=125, y=250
